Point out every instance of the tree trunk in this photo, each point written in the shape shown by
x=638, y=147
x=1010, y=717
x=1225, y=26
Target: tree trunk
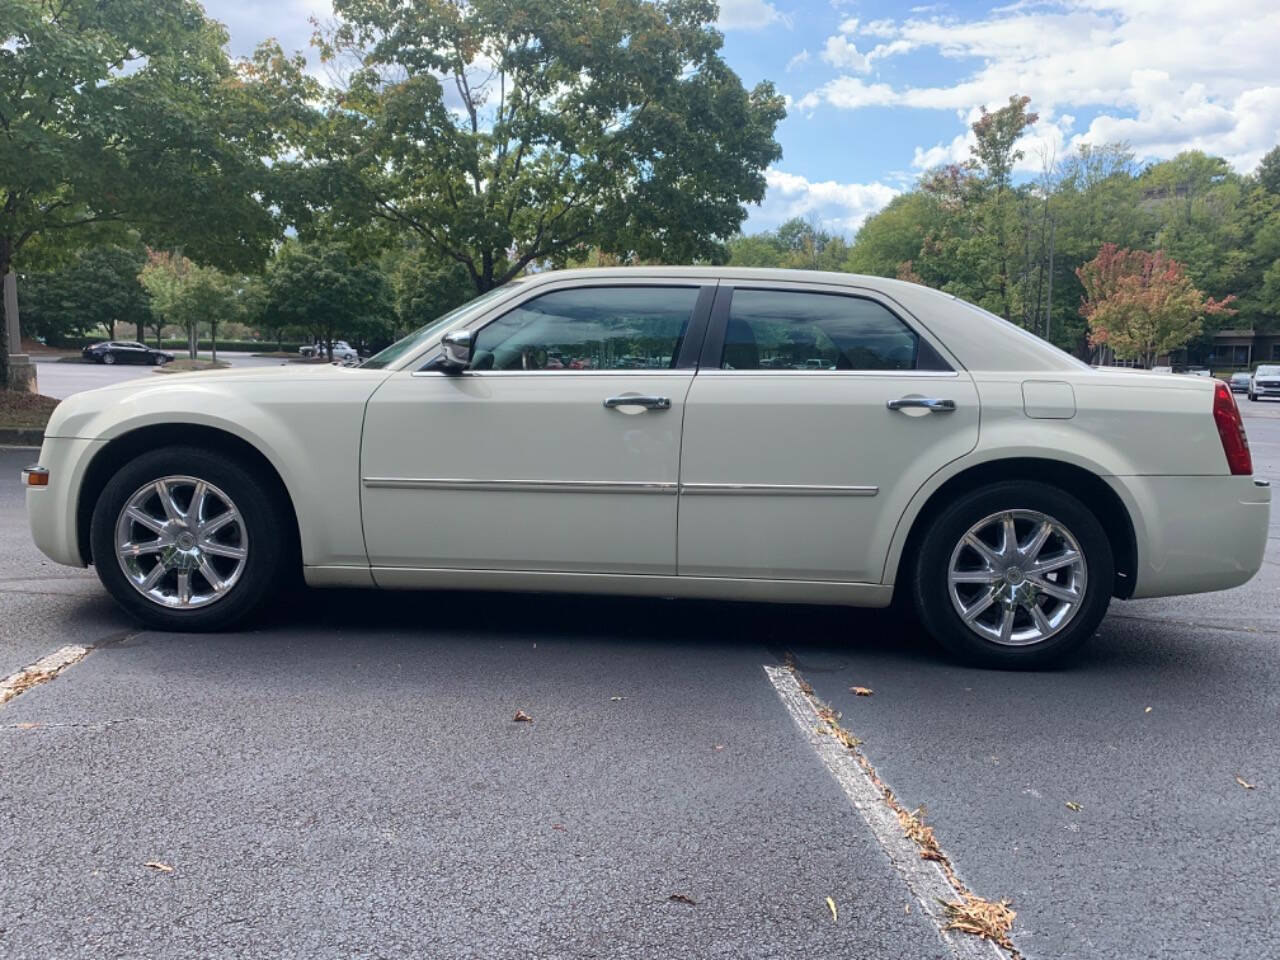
x=213, y=337
x=6, y=263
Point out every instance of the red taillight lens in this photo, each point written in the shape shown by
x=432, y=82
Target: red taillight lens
x=1231, y=429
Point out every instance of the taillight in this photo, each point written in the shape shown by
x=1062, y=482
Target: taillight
x=1231, y=430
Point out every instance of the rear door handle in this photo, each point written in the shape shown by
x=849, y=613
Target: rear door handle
x=649, y=403
x=932, y=404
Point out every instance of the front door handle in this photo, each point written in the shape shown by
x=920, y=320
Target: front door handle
x=932, y=404
x=649, y=403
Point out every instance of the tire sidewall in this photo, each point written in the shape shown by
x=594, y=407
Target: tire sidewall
x=261, y=518
x=930, y=585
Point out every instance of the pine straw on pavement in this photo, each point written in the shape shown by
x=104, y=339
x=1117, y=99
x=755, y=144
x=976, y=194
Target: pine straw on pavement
x=26, y=411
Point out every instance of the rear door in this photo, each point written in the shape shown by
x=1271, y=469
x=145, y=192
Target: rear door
x=816, y=414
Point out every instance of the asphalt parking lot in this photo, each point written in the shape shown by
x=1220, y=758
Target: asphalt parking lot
x=345, y=778
x=60, y=380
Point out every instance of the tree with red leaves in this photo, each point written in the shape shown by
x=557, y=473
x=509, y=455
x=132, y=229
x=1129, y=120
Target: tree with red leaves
x=1141, y=304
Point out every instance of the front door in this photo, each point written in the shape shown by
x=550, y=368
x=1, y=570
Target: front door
x=558, y=450
x=795, y=466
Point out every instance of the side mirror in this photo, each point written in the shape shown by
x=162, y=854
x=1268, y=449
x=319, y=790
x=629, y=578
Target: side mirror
x=457, y=351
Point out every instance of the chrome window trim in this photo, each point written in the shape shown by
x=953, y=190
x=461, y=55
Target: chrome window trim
x=895, y=374
x=775, y=490
x=623, y=372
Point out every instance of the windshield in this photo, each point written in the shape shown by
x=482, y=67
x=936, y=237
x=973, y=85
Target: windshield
x=406, y=346
x=1267, y=371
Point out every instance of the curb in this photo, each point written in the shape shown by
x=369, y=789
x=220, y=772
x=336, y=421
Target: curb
x=21, y=436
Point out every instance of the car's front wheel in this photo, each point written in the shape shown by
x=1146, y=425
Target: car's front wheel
x=108, y=358
x=186, y=540
x=1014, y=575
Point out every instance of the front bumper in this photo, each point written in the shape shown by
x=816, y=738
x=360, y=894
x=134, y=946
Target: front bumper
x=51, y=509
x=1196, y=534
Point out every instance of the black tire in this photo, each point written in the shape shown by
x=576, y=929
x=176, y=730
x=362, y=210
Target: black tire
x=929, y=571
x=1253, y=398
x=266, y=567
x=108, y=358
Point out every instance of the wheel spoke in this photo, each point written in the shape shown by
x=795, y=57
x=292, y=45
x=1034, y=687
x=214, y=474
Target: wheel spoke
x=1057, y=562
x=1042, y=622
x=152, y=578
x=216, y=583
x=141, y=549
x=976, y=543
x=148, y=521
x=165, y=493
x=974, y=576
x=1006, y=625
x=1009, y=536
x=210, y=527
x=979, y=606
x=195, y=512
x=223, y=550
x=1037, y=541
x=1053, y=590
x=184, y=587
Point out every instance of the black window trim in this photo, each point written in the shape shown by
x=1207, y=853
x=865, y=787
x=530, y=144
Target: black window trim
x=718, y=325
x=690, y=346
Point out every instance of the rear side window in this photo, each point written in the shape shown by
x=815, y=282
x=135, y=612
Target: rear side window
x=589, y=328
x=790, y=330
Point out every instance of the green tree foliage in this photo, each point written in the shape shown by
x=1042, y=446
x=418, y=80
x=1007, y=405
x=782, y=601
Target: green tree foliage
x=424, y=287
x=195, y=298
x=322, y=289
x=501, y=134
x=130, y=112
x=98, y=289
x=799, y=243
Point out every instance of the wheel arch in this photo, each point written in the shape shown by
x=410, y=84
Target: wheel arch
x=1085, y=485
x=107, y=460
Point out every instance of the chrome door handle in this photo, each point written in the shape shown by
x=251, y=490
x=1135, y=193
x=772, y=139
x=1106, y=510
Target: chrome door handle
x=649, y=403
x=932, y=404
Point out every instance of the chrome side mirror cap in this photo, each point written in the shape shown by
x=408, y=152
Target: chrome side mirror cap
x=457, y=351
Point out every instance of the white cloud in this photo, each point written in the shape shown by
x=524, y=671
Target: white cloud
x=841, y=53
x=749, y=15
x=798, y=60
x=1164, y=77
x=840, y=206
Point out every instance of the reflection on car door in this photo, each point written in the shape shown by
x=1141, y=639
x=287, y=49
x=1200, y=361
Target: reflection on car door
x=557, y=451
x=794, y=466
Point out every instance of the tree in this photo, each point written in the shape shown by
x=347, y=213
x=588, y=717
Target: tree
x=502, y=134
x=1141, y=304
x=424, y=287
x=129, y=112
x=190, y=296
x=98, y=289
x=321, y=288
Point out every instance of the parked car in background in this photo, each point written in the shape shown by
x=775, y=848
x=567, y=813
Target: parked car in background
x=342, y=351
x=125, y=351
x=937, y=452
x=1265, y=381
x=1240, y=382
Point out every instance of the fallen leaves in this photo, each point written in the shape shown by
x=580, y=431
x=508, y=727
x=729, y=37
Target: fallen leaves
x=914, y=826
x=1244, y=783
x=521, y=717
x=683, y=898
x=157, y=865
x=616, y=699
x=1074, y=807
x=1148, y=710
x=835, y=914
x=861, y=691
x=982, y=918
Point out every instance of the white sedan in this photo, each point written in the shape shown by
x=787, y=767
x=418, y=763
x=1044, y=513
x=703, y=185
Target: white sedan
x=695, y=432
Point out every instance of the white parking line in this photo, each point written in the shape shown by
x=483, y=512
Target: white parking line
x=924, y=878
x=44, y=669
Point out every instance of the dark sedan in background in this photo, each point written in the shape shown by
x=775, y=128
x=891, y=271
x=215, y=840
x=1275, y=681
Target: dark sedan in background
x=125, y=351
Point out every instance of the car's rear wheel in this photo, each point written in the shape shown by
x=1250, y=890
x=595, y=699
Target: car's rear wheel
x=1014, y=575
x=186, y=540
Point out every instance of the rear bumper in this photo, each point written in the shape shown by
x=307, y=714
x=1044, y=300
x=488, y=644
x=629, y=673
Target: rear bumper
x=1196, y=534
x=51, y=510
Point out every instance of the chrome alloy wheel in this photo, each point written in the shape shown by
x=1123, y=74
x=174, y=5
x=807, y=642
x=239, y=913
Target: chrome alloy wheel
x=181, y=542
x=1017, y=577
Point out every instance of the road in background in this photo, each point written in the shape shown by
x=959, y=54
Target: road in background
x=60, y=380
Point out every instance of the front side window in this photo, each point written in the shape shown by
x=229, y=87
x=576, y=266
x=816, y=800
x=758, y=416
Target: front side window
x=788, y=330
x=589, y=328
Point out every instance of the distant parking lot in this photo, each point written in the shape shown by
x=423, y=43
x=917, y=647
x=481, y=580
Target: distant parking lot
x=63, y=379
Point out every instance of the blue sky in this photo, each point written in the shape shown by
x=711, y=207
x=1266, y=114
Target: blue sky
x=881, y=91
